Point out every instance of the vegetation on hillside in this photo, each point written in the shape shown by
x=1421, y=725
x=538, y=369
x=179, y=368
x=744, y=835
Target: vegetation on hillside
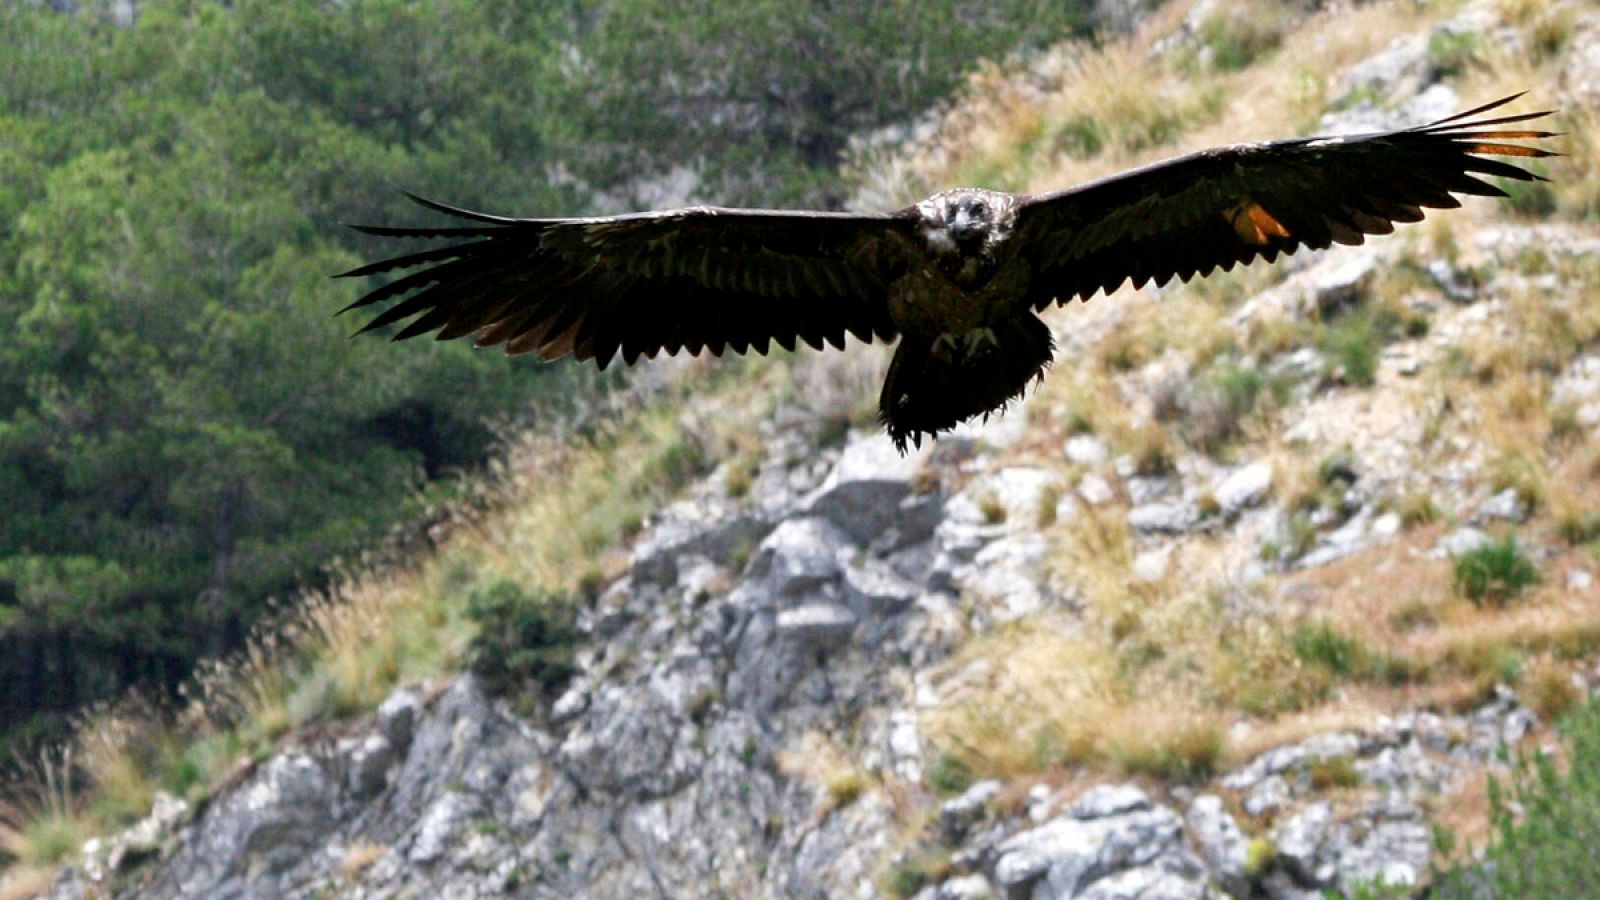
x=185, y=432
x=1545, y=820
x=554, y=512
x=1247, y=668
x=184, y=429
x=1225, y=651
x=1199, y=639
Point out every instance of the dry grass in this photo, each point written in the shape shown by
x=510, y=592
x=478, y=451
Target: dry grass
x=25, y=882
x=1464, y=648
x=1549, y=689
x=1048, y=699
x=843, y=786
x=359, y=857
x=1463, y=813
x=1573, y=191
x=1045, y=693
x=42, y=820
x=129, y=752
x=815, y=759
x=1050, y=692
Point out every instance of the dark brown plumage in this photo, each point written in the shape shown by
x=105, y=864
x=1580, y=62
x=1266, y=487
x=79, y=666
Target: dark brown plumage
x=958, y=278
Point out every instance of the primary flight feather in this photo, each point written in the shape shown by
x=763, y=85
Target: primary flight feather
x=959, y=278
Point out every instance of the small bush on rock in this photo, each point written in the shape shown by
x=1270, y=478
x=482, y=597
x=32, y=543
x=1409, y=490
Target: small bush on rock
x=524, y=641
x=1495, y=572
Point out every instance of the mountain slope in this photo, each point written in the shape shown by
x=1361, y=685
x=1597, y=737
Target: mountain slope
x=1238, y=600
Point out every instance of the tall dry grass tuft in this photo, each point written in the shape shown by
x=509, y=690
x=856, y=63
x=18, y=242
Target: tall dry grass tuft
x=129, y=752
x=1035, y=696
x=41, y=817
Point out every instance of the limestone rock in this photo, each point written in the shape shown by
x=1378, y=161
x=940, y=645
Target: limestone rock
x=958, y=814
x=1243, y=488
x=862, y=494
x=1299, y=840
x=1087, y=450
x=1163, y=517
x=1102, y=857
x=1222, y=845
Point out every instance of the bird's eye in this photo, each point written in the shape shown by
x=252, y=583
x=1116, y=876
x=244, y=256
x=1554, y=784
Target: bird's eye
x=980, y=210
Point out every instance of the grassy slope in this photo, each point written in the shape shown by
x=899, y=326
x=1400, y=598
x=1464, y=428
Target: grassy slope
x=1151, y=646
x=1389, y=628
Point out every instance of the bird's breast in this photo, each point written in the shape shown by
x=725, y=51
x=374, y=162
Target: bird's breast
x=926, y=301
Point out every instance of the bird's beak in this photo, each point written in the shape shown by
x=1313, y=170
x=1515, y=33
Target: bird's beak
x=964, y=227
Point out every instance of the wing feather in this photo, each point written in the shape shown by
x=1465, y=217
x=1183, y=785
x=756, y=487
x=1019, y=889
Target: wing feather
x=1231, y=205
x=701, y=278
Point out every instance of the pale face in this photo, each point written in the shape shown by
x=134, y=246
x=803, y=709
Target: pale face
x=963, y=220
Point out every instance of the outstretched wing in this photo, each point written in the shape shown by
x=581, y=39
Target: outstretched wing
x=1217, y=208
x=690, y=279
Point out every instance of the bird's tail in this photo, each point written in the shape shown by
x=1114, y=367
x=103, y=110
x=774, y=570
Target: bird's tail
x=935, y=384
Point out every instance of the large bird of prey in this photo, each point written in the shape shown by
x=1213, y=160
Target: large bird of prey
x=959, y=278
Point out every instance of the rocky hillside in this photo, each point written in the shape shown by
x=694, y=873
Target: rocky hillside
x=1245, y=600
x=754, y=728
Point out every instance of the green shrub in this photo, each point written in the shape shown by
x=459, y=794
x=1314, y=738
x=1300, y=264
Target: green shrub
x=523, y=641
x=950, y=775
x=1333, y=772
x=1578, y=527
x=1237, y=41
x=1545, y=824
x=1353, y=342
x=1324, y=648
x=1259, y=856
x=1227, y=396
x=1535, y=199
x=924, y=865
x=1378, y=888
x=1418, y=508
x=1452, y=52
x=1321, y=645
x=1495, y=572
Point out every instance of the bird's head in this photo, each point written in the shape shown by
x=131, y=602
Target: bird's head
x=969, y=220
x=965, y=220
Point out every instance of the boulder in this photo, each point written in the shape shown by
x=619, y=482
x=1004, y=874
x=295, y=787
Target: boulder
x=1176, y=517
x=1222, y=845
x=1395, y=854
x=1243, y=488
x=1112, y=856
x=862, y=495
x=958, y=814
x=366, y=765
x=1087, y=450
x=799, y=557
x=1105, y=800
x=441, y=826
x=1299, y=840
x=397, y=716
x=1343, y=279
x=817, y=626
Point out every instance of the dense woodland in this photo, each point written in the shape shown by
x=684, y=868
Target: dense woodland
x=185, y=431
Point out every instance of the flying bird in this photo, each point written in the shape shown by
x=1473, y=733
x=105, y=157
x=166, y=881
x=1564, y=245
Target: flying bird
x=958, y=278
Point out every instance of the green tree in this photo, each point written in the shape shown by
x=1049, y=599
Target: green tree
x=764, y=95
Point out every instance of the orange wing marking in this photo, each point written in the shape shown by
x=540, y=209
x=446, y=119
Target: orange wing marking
x=1254, y=224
